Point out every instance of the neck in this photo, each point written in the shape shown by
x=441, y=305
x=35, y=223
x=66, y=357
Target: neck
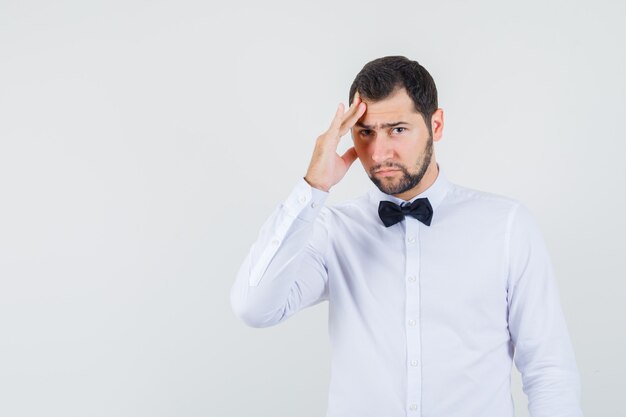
x=427, y=180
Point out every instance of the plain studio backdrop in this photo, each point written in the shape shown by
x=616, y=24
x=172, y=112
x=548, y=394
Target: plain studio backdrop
x=144, y=143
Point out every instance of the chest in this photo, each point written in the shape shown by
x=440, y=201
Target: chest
x=447, y=263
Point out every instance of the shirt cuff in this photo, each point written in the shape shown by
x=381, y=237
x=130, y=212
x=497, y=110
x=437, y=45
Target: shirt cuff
x=305, y=201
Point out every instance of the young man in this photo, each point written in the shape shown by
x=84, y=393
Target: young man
x=432, y=286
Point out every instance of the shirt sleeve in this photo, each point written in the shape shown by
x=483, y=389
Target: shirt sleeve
x=543, y=350
x=285, y=270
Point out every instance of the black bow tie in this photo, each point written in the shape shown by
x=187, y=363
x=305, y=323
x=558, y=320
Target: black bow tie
x=391, y=213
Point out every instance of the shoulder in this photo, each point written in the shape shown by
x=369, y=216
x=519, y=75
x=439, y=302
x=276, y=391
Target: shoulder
x=347, y=207
x=517, y=219
x=348, y=212
x=460, y=194
x=482, y=209
x=466, y=198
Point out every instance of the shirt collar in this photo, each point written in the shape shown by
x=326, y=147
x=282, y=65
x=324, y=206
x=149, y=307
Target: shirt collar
x=435, y=193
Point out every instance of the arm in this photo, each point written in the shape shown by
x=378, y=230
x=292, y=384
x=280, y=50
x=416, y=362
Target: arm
x=543, y=351
x=284, y=271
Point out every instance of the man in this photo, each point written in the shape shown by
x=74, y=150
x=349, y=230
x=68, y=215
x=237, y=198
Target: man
x=432, y=286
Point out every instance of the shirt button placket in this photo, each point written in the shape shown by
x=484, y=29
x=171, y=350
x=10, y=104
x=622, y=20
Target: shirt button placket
x=413, y=363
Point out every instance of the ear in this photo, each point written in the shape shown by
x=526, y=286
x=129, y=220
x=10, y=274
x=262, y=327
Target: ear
x=436, y=124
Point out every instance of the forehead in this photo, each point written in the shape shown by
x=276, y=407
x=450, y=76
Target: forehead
x=394, y=108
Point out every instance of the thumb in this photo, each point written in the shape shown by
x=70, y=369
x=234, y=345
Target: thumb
x=349, y=156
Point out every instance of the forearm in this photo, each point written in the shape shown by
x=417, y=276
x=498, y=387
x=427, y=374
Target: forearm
x=543, y=350
x=548, y=365
x=283, y=271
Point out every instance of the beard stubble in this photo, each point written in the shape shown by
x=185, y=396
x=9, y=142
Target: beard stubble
x=408, y=180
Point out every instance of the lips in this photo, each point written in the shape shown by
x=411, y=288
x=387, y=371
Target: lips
x=386, y=173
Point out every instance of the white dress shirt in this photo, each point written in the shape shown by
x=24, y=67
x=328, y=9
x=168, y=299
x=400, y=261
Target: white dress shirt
x=423, y=320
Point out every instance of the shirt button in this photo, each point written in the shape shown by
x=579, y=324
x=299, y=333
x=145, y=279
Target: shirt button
x=411, y=239
x=275, y=242
x=413, y=407
x=414, y=362
x=302, y=199
x=411, y=322
x=313, y=204
x=412, y=278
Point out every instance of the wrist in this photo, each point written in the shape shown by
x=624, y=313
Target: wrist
x=315, y=185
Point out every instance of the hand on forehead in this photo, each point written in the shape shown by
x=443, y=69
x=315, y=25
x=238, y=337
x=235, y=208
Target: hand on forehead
x=396, y=107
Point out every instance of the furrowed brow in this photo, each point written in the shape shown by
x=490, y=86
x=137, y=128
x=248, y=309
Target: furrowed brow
x=384, y=125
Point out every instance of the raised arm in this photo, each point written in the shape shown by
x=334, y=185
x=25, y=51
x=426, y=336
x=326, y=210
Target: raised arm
x=284, y=270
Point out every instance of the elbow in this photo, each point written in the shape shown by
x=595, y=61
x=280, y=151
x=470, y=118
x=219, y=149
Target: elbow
x=251, y=318
x=252, y=314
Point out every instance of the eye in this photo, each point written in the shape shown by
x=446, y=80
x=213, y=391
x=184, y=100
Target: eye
x=365, y=132
x=402, y=129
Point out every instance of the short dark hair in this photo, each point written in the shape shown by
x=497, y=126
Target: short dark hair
x=381, y=77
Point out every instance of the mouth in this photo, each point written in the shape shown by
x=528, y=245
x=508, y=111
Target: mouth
x=386, y=171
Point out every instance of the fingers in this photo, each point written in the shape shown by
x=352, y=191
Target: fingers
x=351, y=120
x=353, y=114
x=354, y=108
x=356, y=102
x=356, y=97
x=336, y=122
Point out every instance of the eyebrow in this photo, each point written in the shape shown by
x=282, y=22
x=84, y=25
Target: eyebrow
x=384, y=125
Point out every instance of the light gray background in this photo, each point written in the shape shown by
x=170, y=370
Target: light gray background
x=143, y=144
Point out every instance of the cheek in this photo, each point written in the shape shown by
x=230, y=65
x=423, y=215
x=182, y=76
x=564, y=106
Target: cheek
x=410, y=148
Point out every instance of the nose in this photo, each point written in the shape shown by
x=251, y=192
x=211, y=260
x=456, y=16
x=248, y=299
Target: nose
x=381, y=149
